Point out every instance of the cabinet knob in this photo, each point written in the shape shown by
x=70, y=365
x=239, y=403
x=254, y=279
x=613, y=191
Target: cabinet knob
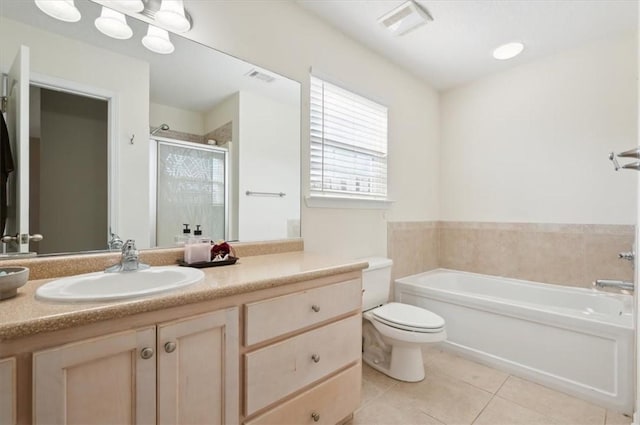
x=315, y=308
x=170, y=347
x=146, y=353
x=315, y=358
x=315, y=416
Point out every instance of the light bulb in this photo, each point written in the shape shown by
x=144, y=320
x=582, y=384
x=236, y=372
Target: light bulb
x=157, y=40
x=113, y=24
x=63, y=10
x=172, y=17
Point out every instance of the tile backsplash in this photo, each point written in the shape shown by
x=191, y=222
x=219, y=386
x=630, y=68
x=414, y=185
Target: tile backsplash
x=565, y=254
x=413, y=247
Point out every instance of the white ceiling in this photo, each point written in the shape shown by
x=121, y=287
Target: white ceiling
x=456, y=47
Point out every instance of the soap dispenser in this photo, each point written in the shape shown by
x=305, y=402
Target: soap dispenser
x=198, y=248
x=184, y=237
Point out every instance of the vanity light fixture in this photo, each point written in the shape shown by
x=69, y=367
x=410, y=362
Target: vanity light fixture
x=133, y=6
x=63, y=10
x=508, y=51
x=172, y=16
x=405, y=18
x=157, y=40
x=113, y=24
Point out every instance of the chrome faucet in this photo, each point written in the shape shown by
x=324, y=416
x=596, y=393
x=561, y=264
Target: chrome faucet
x=629, y=256
x=129, y=261
x=115, y=243
x=608, y=283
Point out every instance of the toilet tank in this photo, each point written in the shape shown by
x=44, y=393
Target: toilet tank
x=376, y=282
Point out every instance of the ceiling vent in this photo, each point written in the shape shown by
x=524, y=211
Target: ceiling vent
x=405, y=18
x=259, y=75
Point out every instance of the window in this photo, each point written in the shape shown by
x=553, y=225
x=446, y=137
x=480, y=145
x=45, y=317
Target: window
x=348, y=144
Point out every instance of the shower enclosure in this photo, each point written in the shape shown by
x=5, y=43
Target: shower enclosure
x=190, y=188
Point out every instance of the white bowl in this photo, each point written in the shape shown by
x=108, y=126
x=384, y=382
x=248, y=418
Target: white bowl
x=10, y=282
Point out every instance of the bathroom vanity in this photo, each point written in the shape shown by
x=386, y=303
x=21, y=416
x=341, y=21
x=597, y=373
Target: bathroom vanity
x=273, y=339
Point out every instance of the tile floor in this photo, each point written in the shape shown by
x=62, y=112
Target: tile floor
x=461, y=392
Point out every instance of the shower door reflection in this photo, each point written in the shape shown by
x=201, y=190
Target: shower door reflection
x=191, y=188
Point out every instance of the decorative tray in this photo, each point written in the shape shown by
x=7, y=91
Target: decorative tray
x=203, y=264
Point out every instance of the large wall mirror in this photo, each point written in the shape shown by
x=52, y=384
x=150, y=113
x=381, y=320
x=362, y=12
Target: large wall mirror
x=108, y=138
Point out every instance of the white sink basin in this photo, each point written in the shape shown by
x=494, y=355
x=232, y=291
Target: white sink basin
x=101, y=286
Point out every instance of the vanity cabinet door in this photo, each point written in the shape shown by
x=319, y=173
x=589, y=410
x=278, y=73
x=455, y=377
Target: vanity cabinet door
x=8, y=391
x=198, y=368
x=105, y=380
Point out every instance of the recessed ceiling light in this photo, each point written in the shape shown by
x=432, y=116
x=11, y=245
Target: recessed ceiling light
x=508, y=51
x=405, y=18
x=63, y=10
x=113, y=24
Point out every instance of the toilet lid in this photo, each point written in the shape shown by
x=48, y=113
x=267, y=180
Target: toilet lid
x=408, y=316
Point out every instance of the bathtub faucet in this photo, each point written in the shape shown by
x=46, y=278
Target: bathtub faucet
x=608, y=283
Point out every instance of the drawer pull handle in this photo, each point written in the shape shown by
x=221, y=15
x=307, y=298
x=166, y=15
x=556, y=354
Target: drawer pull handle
x=170, y=347
x=315, y=358
x=315, y=416
x=146, y=353
x=315, y=308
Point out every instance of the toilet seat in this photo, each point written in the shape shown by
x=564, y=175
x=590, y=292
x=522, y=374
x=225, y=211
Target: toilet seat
x=408, y=317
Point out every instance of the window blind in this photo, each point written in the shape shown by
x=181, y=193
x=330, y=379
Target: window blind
x=348, y=143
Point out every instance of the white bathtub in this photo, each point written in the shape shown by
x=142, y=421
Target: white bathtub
x=575, y=340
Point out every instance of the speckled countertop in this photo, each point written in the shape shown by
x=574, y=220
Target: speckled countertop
x=24, y=315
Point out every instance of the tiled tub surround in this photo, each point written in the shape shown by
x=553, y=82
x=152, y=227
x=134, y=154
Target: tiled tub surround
x=413, y=246
x=565, y=254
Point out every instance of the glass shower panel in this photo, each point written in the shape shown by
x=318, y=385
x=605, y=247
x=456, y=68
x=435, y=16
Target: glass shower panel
x=190, y=189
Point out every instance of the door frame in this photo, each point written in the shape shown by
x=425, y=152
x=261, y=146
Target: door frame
x=80, y=89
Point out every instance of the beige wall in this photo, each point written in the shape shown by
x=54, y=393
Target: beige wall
x=268, y=144
x=281, y=36
x=177, y=119
x=530, y=145
x=229, y=111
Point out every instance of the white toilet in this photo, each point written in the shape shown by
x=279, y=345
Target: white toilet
x=393, y=333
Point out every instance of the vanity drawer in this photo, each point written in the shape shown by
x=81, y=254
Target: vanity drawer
x=277, y=370
x=277, y=316
x=329, y=402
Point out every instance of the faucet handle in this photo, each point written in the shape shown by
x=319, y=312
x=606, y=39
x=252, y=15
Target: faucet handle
x=129, y=247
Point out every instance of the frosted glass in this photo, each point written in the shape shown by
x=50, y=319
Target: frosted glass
x=191, y=189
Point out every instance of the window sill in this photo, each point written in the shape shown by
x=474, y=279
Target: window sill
x=323, y=201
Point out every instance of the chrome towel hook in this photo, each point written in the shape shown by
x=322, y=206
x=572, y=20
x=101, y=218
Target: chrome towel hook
x=633, y=153
x=612, y=158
